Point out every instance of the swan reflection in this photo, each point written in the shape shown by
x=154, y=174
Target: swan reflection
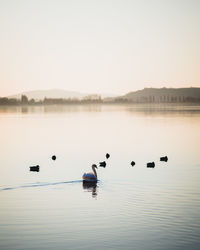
x=91, y=187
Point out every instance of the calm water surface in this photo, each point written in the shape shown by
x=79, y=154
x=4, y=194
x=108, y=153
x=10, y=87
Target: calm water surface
x=130, y=208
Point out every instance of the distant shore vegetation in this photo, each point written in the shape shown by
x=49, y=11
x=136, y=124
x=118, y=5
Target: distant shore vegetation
x=49, y=101
x=59, y=101
x=147, y=95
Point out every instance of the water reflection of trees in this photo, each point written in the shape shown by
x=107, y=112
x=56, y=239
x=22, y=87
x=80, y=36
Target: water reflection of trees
x=163, y=109
x=134, y=109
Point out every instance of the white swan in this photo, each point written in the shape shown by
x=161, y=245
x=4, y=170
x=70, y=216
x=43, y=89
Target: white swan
x=90, y=177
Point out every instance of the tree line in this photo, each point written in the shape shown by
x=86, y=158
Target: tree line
x=97, y=99
x=48, y=101
x=158, y=99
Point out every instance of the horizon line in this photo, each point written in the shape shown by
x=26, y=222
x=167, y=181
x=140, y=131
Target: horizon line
x=93, y=93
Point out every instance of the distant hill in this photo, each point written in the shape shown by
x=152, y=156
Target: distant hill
x=54, y=93
x=162, y=95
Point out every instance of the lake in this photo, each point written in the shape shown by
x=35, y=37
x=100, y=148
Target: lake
x=130, y=207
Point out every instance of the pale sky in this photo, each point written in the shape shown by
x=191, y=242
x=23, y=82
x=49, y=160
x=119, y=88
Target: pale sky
x=109, y=46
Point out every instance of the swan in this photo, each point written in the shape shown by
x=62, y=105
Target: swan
x=90, y=177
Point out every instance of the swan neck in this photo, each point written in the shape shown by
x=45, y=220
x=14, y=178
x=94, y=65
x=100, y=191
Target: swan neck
x=94, y=170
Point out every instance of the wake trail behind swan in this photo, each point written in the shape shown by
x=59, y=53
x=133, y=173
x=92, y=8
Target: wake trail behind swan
x=39, y=184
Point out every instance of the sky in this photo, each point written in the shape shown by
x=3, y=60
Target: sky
x=98, y=46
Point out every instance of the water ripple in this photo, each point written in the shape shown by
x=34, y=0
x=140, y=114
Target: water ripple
x=40, y=184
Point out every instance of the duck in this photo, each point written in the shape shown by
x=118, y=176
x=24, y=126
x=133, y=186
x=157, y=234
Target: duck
x=102, y=164
x=53, y=157
x=107, y=156
x=151, y=164
x=132, y=163
x=35, y=168
x=165, y=158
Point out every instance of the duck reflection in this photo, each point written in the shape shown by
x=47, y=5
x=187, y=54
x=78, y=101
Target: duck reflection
x=91, y=187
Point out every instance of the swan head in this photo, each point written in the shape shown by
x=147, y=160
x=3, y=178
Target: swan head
x=94, y=166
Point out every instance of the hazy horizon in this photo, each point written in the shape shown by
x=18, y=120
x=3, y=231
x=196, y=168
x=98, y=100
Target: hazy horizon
x=71, y=92
x=102, y=92
x=98, y=46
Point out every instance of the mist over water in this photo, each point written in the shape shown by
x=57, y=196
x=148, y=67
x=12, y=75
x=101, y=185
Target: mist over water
x=129, y=207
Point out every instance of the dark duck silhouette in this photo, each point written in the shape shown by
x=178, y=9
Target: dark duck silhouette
x=53, y=157
x=165, y=158
x=132, y=163
x=35, y=168
x=102, y=164
x=151, y=164
x=107, y=156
